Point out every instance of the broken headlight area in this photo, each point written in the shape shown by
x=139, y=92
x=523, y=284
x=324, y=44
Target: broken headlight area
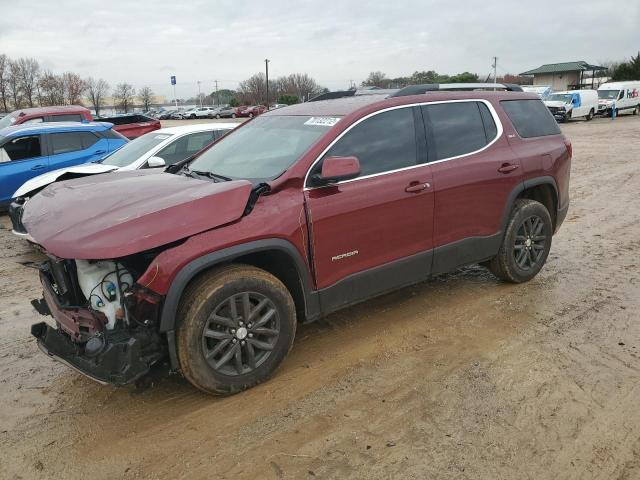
x=106, y=325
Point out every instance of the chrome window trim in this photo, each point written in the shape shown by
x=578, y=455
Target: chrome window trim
x=492, y=110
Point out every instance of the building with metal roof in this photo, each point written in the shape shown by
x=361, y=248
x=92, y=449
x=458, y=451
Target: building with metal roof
x=566, y=75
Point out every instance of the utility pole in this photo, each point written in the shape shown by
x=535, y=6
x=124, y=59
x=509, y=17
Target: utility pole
x=495, y=72
x=217, y=96
x=199, y=94
x=266, y=67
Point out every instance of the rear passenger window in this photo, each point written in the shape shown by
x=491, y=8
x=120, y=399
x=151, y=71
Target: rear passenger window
x=66, y=142
x=531, y=118
x=67, y=117
x=88, y=139
x=384, y=142
x=457, y=128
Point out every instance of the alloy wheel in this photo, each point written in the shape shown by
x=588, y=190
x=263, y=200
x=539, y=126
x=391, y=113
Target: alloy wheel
x=240, y=333
x=530, y=242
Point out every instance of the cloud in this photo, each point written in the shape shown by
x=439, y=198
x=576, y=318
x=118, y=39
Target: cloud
x=144, y=42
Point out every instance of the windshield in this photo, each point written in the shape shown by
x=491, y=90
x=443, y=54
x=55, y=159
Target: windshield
x=8, y=120
x=560, y=97
x=608, y=94
x=133, y=150
x=264, y=148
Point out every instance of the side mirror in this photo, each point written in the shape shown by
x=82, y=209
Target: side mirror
x=155, y=162
x=337, y=169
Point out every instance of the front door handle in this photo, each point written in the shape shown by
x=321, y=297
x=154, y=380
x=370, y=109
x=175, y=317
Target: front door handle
x=38, y=167
x=416, y=187
x=98, y=152
x=508, y=168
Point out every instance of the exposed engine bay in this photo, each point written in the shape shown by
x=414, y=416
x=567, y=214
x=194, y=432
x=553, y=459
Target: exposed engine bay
x=106, y=324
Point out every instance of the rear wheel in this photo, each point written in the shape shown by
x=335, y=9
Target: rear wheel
x=636, y=111
x=233, y=115
x=237, y=324
x=526, y=243
x=218, y=116
x=591, y=114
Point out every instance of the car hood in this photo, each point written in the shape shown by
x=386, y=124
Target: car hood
x=45, y=179
x=556, y=103
x=114, y=216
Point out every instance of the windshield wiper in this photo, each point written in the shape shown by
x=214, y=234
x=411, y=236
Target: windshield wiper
x=213, y=176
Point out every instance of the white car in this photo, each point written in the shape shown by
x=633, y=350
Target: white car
x=159, y=148
x=200, y=112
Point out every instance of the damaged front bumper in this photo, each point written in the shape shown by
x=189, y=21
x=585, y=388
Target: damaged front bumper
x=118, y=356
x=117, y=359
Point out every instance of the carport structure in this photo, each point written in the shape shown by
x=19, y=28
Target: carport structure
x=565, y=75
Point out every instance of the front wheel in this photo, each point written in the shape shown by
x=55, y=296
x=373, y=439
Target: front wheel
x=218, y=116
x=526, y=243
x=237, y=324
x=233, y=115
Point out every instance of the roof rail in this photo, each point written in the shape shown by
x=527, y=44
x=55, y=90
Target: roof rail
x=332, y=95
x=354, y=93
x=434, y=87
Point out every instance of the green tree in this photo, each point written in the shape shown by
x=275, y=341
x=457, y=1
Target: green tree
x=234, y=102
x=628, y=70
x=464, y=77
x=288, y=99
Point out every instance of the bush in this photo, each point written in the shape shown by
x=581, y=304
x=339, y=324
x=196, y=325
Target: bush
x=288, y=99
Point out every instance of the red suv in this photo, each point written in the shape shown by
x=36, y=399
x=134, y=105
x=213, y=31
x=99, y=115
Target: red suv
x=209, y=266
x=130, y=125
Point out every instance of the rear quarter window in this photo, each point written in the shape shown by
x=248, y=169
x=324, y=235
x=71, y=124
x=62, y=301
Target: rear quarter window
x=67, y=117
x=531, y=118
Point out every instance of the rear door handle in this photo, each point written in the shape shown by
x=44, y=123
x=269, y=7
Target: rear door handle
x=98, y=152
x=38, y=167
x=508, y=168
x=417, y=187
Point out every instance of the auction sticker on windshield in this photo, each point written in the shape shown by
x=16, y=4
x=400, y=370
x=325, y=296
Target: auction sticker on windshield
x=323, y=121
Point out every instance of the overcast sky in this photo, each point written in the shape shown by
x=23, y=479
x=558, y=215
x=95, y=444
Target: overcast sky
x=144, y=41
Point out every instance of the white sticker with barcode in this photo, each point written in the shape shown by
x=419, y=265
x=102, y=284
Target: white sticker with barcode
x=323, y=121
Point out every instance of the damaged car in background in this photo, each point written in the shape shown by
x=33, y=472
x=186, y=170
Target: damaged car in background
x=208, y=266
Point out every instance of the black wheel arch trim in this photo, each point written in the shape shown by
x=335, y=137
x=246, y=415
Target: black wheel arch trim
x=189, y=271
x=524, y=185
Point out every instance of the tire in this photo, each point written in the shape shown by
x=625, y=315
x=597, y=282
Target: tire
x=199, y=333
x=251, y=115
x=508, y=264
x=192, y=117
x=590, y=116
x=233, y=115
x=636, y=111
x=218, y=117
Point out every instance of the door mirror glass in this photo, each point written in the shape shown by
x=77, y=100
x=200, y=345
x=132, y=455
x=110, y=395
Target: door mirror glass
x=155, y=162
x=336, y=169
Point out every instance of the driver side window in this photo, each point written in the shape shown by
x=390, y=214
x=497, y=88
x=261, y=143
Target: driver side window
x=382, y=143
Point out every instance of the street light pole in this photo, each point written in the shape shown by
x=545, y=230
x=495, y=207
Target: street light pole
x=217, y=96
x=199, y=94
x=266, y=67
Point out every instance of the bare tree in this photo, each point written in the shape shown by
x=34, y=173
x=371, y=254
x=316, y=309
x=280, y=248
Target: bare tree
x=29, y=71
x=74, y=88
x=376, y=79
x=253, y=90
x=123, y=95
x=146, y=95
x=299, y=84
x=13, y=84
x=51, y=88
x=4, y=72
x=97, y=90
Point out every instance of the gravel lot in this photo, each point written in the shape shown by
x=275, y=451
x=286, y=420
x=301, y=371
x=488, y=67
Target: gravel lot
x=459, y=377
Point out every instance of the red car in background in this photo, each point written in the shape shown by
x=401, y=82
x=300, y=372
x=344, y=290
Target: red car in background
x=131, y=126
x=252, y=111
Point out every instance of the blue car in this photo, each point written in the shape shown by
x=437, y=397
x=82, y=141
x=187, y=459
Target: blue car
x=28, y=150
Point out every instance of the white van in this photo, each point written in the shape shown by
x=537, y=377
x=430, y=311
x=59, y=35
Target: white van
x=626, y=96
x=543, y=91
x=572, y=104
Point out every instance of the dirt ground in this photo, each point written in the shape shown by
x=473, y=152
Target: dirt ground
x=461, y=377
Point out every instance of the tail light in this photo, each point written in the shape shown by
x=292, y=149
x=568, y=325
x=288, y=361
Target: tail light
x=567, y=143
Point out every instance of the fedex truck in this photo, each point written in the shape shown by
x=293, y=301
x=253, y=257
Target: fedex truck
x=624, y=95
